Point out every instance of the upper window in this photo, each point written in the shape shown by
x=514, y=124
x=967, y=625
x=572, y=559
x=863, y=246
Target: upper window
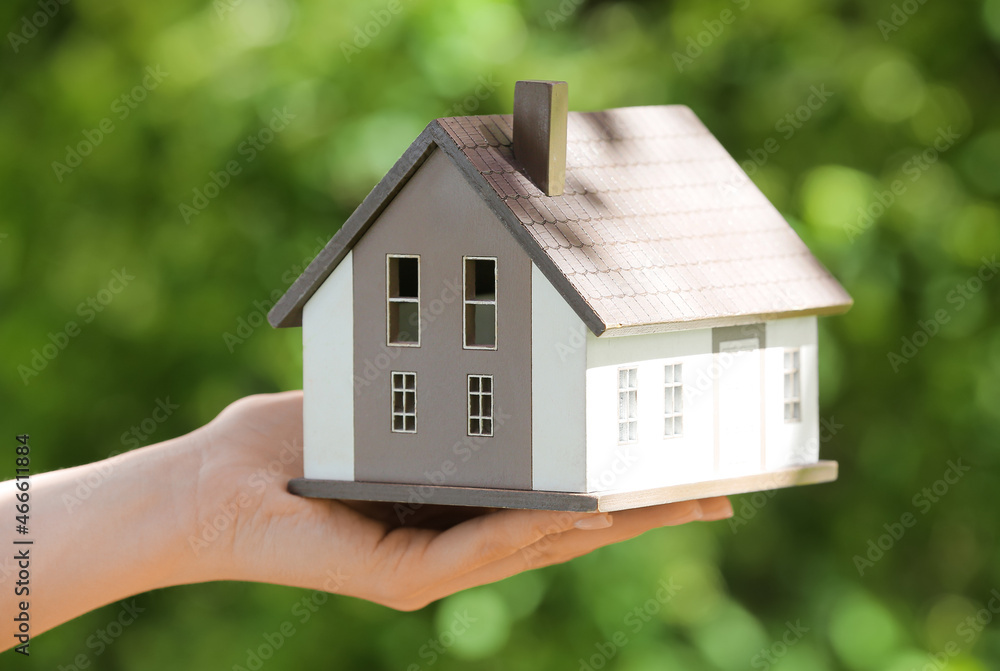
x=673, y=403
x=793, y=392
x=480, y=405
x=404, y=402
x=480, y=330
x=628, y=421
x=402, y=275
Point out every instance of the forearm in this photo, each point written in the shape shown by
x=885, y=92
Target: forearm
x=214, y=505
x=101, y=532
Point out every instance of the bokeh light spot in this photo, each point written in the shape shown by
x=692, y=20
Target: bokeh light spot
x=893, y=90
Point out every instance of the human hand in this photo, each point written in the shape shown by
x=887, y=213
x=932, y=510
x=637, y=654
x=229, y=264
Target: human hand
x=263, y=533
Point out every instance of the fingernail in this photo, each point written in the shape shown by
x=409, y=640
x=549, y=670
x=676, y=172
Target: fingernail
x=697, y=513
x=595, y=521
x=720, y=511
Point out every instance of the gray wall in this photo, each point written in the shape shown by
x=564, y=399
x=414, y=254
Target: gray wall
x=438, y=216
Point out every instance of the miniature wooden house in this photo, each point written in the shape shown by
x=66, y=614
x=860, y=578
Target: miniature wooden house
x=560, y=310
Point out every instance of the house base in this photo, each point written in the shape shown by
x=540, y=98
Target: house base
x=421, y=494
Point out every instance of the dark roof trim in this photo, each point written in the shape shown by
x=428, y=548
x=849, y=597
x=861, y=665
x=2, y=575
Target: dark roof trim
x=721, y=322
x=288, y=310
x=514, y=226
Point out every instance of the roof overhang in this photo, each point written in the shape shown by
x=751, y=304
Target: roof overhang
x=720, y=322
x=287, y=312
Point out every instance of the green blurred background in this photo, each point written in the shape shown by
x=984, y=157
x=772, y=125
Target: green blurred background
x=899, y=73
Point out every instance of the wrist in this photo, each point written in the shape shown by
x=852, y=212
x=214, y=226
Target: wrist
x=190, y=549
x=213, y=501
x=159, y=486
x=112, y=529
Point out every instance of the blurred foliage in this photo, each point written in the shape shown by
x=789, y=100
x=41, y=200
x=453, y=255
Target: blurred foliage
x=899, y=72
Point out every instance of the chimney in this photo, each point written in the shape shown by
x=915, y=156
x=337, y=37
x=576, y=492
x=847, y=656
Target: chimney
x=540, y=109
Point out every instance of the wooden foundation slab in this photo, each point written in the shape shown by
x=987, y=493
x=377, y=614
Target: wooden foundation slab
x=419, y=495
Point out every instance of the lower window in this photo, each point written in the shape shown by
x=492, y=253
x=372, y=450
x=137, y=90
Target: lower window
x=480, y=405
x=628, y=407
x=404, y=402
x=673, y=401
x=793, y=390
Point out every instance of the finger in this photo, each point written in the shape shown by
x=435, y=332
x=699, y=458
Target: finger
x=716, y=508
x=482, y=541
x=627, y=524
x=563, y=546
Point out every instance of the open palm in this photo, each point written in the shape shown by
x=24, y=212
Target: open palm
x=253, y=529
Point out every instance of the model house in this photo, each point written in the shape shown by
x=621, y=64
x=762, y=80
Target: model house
x=566, y=310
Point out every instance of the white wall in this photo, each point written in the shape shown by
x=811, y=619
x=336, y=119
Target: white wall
x=328, y=377
x=795, y=442
x=740, y=373
x=574, y=396
x=558, y=391
x=653, y=460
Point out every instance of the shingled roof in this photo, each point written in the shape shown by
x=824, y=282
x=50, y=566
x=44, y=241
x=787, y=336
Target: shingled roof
x=658, y=228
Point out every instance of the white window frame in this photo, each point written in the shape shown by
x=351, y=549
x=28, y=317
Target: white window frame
x=673, y=387
x=628, y=405
x=480, y=394
x=400, y=377
x=389, y=300
x=466, y=302
x=793, y=385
